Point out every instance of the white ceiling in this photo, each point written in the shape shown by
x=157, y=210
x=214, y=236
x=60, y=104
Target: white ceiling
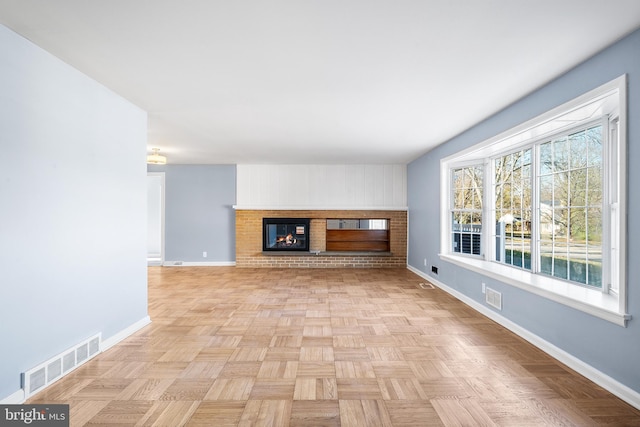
x=318, y=81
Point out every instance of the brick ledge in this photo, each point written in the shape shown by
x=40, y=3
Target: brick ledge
x=327, y=253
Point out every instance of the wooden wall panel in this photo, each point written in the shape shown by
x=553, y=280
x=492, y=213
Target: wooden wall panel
x=358, y=240
x=321, y=186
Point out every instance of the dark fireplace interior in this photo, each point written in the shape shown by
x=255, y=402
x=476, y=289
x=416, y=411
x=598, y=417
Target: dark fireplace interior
x=285, y=234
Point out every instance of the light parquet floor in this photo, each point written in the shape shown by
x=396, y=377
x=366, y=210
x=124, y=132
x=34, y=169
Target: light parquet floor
x=264, y=347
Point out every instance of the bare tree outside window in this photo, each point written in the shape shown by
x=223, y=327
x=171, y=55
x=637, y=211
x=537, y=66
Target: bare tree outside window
x=513, y=208
x=571, y=203
x=466, y=212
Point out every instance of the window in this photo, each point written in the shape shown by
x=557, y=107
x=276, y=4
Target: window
x=541, y=206
x=567, y=243
x=570, y=205
x=512, y=194
x=466, y=210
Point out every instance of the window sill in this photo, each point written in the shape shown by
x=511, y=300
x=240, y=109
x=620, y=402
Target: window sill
x=590, y=301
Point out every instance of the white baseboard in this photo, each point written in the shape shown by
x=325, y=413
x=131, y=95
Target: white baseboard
x=128, y=331
x=625, y=393
x=199, y=264
x=14, y=399
x=19, y=396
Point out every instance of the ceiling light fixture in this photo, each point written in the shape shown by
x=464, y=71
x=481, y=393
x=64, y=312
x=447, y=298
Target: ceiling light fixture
x=156, y=158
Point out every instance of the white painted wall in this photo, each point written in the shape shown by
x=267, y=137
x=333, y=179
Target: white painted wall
x=321, y=186
x=72, y=209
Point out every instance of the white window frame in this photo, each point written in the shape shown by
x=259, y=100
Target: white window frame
x=609, y=303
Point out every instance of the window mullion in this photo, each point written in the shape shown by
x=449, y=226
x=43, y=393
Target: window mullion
x=521, y=212
x=535, y=209
x=609, y=199
x=488, y=210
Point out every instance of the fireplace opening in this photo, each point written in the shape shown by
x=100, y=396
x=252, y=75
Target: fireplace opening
x=285, y=234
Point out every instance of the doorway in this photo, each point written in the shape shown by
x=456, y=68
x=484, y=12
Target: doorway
x=155, y=218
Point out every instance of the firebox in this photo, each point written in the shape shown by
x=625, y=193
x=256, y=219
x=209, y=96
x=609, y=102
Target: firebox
x=285, y=234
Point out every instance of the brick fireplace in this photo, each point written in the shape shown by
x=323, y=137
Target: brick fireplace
x=249, y=243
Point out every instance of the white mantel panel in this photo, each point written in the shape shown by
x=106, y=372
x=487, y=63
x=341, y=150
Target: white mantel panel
x=321, y=186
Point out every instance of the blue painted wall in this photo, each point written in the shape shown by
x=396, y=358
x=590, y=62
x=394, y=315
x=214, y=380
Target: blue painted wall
x=72, y=209
x=199, y=214
x=609, y=348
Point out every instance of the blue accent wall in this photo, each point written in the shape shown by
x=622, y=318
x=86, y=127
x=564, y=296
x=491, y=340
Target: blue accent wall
x=72, y=209
x=199, y=214
x=605, y=346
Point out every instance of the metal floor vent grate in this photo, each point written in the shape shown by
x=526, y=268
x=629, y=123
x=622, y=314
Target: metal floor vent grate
x=426, y=286
x=38, y=377
x=493, y=298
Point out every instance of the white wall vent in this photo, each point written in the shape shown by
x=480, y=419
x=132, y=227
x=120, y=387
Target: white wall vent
x=39, y=377
x=493, y=298
x=54, y=370
x=68, y=361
